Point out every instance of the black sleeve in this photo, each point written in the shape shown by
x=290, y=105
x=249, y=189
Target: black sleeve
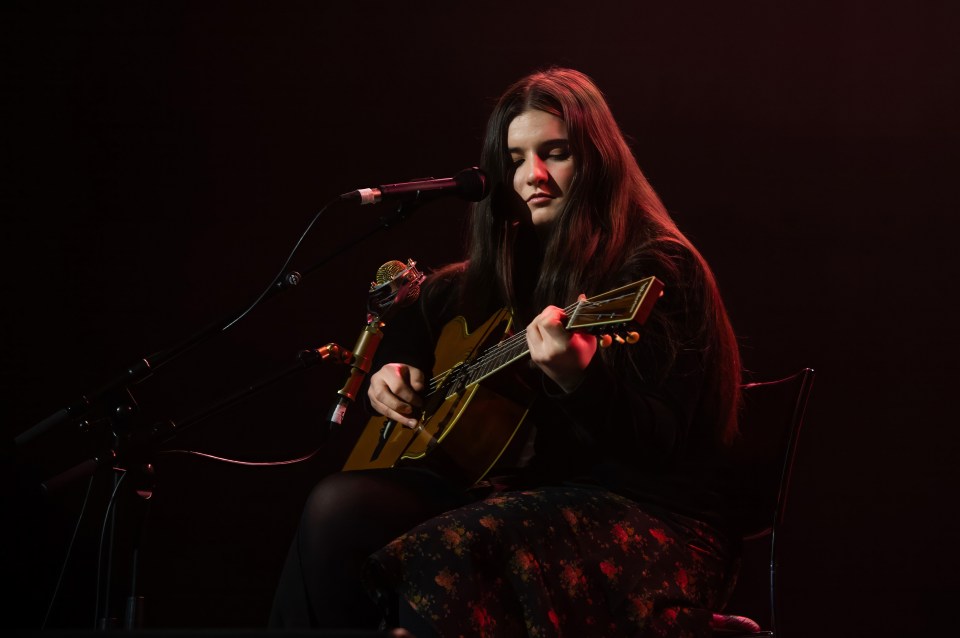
x=631, y=419
x=638, y=403
x=406, y=339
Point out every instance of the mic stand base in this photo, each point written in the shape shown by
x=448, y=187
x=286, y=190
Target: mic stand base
x=134, y=489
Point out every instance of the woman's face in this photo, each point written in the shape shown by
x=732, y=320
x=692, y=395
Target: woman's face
x=542, y=162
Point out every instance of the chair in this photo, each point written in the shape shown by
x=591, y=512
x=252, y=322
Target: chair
x=758, y=478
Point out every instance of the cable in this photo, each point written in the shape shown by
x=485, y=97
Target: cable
x=66, y=559
x=283, y=268
x=247, y=463
x=103, y=532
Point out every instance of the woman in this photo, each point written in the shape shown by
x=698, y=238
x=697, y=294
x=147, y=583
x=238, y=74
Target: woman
x=603, y=517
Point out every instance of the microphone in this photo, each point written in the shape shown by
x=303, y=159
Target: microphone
x=403, y=282
x=396, y=285
x=470, y=184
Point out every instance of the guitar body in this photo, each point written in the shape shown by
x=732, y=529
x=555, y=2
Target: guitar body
x=464, y=431
x=475, y=405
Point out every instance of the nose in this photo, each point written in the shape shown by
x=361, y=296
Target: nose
x=537, y=172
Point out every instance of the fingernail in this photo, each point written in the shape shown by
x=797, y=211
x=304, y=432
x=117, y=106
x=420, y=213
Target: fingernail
x=412, y=423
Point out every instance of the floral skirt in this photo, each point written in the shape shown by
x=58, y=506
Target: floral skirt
x=557, y=561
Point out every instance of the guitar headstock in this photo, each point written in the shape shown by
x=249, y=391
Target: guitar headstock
x=618, y=314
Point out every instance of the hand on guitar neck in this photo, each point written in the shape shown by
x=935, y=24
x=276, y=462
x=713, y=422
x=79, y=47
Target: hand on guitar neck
x=561, y=354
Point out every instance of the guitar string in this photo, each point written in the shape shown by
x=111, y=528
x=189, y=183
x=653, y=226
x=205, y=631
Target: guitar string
x=509, y=342
x=507, y=345
x=514, y=340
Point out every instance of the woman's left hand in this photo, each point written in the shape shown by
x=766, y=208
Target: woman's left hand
x=562, y=355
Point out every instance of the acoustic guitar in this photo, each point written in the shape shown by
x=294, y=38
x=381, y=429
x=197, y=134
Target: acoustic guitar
x=471, y=410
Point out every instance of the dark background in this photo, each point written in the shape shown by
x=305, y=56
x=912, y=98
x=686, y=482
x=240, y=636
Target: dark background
x=161, y=159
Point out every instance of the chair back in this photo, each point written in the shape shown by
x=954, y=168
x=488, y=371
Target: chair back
x=760, y=461
x=756, y=476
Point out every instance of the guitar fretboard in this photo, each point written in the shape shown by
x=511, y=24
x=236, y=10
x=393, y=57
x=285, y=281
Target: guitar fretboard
x=514, y=347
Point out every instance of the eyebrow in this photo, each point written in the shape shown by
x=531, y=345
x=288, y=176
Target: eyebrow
x=548, y=145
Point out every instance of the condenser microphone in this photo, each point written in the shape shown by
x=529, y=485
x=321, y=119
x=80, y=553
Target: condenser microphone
x=396, y=284
x=470, y=184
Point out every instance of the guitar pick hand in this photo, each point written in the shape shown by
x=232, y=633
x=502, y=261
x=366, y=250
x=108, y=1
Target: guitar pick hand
x=394, y=392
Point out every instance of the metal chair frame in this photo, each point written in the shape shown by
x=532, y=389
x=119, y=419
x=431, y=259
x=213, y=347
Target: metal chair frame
x=803, y=381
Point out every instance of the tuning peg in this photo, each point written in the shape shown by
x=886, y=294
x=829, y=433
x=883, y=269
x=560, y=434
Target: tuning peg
x=618, y=339
x=632, y=337
x=605, y=340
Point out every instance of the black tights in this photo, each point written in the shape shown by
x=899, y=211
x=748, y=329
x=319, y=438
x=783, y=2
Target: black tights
x=347, y=517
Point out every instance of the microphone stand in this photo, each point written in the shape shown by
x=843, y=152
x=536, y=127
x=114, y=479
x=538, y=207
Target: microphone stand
x=399, y=290
x=116, y=393
x=131, y=448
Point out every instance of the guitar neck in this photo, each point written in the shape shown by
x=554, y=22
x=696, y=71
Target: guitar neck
x=499, y=356
x=610, y=311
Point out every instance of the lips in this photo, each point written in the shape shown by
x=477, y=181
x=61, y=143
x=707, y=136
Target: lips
x=539, y=198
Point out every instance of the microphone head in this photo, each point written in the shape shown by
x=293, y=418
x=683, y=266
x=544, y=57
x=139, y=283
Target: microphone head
x=472, y=184
x=389, y=271
x=397, y=285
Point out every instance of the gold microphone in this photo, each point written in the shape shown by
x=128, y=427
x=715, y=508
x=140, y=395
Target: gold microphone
x=396, y=285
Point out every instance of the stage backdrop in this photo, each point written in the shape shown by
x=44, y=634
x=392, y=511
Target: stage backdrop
x=162, y=159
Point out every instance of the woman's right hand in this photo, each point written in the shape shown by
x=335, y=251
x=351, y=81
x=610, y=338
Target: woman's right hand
x=394, y=392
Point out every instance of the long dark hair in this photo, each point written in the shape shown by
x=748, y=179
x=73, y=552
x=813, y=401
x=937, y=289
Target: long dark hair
x=613, y=223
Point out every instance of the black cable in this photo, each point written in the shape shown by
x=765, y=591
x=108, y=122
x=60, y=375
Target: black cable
x=283, y=268
x=66, y=559
x=103, y=532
